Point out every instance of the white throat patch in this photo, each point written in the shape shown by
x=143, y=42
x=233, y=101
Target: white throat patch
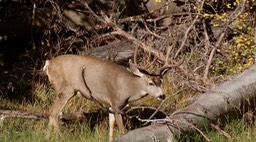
x=143, y=93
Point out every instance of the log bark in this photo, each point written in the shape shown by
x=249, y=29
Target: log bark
x=119, y=52
x=230, y=99
x=22, y=114
x=133, y=114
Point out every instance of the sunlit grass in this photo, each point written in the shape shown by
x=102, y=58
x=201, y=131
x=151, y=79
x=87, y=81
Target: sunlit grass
x=237, y=130
x=16, y=129
x=35, y=130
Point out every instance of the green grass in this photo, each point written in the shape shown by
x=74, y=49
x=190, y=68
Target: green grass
x=238, y=132
x=24, y=130
x=236, y=129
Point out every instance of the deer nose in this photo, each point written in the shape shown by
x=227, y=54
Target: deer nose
x=161, y=97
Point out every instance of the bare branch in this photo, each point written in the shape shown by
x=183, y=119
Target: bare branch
x=221, y=131
x=186, y=36
x=211, y=55
x=163, y=101
x=154, y=34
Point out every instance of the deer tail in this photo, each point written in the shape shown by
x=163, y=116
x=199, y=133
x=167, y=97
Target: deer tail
x=45, y=68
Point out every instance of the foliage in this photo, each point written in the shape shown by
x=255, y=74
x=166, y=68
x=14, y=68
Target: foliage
x=237, y=54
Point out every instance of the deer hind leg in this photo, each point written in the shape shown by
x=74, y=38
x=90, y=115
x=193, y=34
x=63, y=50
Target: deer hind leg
x=120, y=123
x=118, y=118
x=61, y=99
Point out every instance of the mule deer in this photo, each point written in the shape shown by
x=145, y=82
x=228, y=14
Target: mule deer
x=100, y=81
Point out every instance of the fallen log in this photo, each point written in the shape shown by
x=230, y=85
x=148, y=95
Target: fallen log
x=132, y=117
x=230, y=99
x=22, y=114
x=119, y=52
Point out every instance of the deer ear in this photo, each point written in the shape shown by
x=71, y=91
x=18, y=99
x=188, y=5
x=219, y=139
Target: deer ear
x=135, y=70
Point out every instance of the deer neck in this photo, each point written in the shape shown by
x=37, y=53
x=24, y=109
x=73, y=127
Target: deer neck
x=137, y=90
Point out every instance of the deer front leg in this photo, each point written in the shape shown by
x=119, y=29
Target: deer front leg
x=111, y=125
x=61, y=100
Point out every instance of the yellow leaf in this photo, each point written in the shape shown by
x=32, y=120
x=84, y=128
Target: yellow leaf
x=228, y=5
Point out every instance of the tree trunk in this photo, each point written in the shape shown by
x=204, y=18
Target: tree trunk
x=231, y=99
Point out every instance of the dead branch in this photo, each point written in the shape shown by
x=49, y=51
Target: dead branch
x=132, y=115
x=162, y=102
x=118, y=31
x=217, y=128
x=207, y=39
x=188, y=30
x=186, y=36
x=154, y=34
x=207, y=67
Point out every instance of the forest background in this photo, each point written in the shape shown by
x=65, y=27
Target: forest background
x=213, y=40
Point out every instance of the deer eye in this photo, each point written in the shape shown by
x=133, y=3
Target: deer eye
x=151, y=84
